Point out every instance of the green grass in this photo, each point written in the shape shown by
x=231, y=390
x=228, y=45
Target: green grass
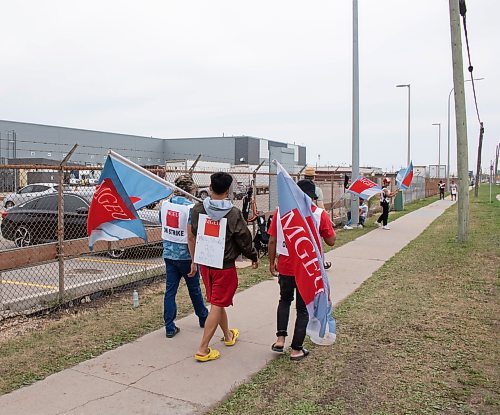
x=419, y=337
x=39, y=346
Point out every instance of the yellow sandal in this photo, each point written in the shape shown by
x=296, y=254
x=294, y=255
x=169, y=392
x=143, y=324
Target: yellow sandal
x=211, y=355
x=236, y=334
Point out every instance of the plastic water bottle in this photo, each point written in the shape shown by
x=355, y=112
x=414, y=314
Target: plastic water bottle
x=135, y=298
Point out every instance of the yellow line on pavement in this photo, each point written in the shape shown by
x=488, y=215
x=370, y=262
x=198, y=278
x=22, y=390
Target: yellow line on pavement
x=112, y=261
x=29, y=284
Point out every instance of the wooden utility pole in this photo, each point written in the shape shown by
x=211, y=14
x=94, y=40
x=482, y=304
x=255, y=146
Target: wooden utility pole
x=478, y=168
x=461, y=123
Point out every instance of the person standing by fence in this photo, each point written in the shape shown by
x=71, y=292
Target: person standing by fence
x=310, y=174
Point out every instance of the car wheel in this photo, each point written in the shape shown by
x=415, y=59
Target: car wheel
x=116, y=253
x=203, y=195
x=9, y=204
x=22, y=237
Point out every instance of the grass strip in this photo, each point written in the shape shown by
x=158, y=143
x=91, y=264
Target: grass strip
x=419, y=337
x=41, y=346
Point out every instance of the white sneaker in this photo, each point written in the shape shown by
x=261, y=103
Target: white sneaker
x=360, y=226
x=386, y=228
x=347, y=227
x=379, y=224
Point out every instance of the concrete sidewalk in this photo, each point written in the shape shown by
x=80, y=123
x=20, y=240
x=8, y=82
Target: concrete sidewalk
x=155, y=375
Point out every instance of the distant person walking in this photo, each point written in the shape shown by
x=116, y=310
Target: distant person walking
x=385, y=198
x=453, y=190
x=442, y=188
x=310, y=173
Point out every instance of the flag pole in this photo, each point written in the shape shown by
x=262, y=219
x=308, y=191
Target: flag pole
x=152, y=176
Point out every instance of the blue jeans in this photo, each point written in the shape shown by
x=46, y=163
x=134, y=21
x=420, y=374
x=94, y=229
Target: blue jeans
x=175, y=271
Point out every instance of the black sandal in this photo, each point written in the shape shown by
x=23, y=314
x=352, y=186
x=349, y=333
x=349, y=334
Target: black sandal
x=277, y=349
x=327, y=265
x=297, y=358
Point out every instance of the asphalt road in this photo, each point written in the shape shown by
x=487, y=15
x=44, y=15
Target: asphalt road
x=28, y=287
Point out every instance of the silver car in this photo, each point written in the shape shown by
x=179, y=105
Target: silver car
x=28, y=192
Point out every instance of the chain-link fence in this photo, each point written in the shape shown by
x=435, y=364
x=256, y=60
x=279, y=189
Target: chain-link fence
x=44, y=255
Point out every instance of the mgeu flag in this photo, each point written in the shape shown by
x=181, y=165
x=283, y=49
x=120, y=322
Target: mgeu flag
x=301, y=234
x=123, y=187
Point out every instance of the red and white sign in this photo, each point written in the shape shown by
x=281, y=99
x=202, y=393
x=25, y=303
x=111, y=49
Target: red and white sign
x=210, y=242
x=174, y=220
x=212, y=228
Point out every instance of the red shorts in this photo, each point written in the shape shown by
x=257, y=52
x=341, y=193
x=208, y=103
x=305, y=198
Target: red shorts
x=220, y=285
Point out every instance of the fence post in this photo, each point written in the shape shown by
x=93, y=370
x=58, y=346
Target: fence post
x=331, y=198
x=254, y=192
x=60, y=223
x=254, y=177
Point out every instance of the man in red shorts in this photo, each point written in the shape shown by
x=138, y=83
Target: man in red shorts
x=220, y=282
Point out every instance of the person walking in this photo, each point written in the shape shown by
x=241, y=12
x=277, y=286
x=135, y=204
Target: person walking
x=284, y=270
x=453, y=190
x=220, y=233
x=442, y=188
x=174, y=218
x=385, y=197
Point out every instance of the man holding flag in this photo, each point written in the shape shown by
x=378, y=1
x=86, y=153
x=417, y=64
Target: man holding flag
x=295, y=234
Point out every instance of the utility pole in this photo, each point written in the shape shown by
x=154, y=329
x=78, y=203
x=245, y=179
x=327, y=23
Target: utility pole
x=461, y=123
x=478, y=167
x=355, y=111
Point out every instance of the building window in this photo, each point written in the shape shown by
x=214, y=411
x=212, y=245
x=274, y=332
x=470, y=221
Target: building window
x=32, y=153
x=49, y=154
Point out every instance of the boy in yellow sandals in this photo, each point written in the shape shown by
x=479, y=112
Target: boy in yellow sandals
x=217, y=218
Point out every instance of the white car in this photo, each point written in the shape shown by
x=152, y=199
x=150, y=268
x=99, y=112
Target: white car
x=28, y=192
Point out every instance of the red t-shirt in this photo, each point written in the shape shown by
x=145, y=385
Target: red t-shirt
x=285, y=264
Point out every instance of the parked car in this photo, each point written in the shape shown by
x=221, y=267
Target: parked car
x=35, y=221
x=239, y=191
x=28, y=192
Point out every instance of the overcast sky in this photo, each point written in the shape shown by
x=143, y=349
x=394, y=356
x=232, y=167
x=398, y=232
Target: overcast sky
x=274, y=69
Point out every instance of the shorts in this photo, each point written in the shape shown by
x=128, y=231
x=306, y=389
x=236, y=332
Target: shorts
x=220, y=285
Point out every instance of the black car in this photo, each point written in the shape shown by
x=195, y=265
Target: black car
x=35, y=221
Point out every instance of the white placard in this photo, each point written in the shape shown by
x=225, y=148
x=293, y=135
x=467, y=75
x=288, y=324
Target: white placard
x=210, y=242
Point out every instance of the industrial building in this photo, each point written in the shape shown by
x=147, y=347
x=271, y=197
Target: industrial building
x=20, y=140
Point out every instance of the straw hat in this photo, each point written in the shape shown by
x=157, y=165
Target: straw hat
x=309, y=171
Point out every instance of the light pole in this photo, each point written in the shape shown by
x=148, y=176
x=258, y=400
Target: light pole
x=355, y=110
x=448, y=165
x=408, y=155
x=439, y=149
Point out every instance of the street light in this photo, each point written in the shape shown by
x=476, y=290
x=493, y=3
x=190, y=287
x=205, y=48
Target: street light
x=408, y=155
x=448, y=166
x=439, y=148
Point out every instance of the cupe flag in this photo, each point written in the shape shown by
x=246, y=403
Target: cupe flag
x=364, y=188
x=404, y=177
x=303, y=241
x=123, y=188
